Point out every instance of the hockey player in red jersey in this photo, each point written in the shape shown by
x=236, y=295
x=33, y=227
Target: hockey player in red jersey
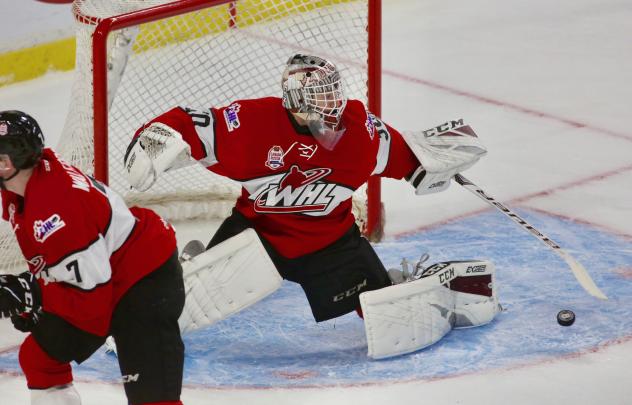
x=95, y=268
x=299, y=158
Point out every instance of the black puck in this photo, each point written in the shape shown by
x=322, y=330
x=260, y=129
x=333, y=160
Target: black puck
x=565, y=317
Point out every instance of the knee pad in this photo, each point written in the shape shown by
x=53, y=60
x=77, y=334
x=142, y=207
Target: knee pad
x=41, y=370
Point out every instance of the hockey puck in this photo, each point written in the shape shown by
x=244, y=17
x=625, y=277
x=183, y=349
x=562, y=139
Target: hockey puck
x=565, y=317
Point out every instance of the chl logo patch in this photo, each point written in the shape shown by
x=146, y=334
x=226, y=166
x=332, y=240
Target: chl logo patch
x=44, y=229
x=370, y=126
x=231, y=117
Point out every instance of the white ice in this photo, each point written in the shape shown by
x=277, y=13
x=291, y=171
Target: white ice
x=546, y=84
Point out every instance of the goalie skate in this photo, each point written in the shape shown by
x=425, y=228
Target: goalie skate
x=190, y=250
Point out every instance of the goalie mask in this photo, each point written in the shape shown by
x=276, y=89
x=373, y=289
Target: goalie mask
x=312, y=91
x=20, y=138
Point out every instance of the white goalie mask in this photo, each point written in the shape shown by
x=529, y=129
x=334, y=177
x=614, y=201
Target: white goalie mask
x=312, y=91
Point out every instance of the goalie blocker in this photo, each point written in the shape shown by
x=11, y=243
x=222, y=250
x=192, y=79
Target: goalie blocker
x=443, y=151
x=412, y=315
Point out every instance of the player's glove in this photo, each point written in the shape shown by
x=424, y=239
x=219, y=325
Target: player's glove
x=26, y=321
x=19, y=294
x=156, y=149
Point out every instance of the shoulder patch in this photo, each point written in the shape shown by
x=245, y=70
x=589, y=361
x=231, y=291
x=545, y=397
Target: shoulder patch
x=275, y=157
x=370, y=125
x=42, y=230
x=231, y=116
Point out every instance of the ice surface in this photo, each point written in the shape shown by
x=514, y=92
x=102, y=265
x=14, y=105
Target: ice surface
x=546, y=86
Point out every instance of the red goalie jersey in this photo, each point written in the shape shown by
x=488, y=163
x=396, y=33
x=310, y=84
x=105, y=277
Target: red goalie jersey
x=295, y=192
x=84, y=245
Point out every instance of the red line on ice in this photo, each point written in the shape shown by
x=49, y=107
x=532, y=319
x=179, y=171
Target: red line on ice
x=505, y=104
x=522, y=199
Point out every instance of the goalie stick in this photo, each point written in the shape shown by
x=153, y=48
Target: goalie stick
x=578, y=270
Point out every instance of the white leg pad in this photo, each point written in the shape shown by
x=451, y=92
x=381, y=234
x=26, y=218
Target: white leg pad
x=60, y=395
x=412, y=315
x=476, y=301
x=474, y=310
x=407, y=317
x=226, y=279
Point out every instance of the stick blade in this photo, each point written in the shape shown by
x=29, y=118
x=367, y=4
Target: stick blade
x=581, y=274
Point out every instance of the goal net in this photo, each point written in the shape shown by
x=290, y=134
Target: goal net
x=157, y=54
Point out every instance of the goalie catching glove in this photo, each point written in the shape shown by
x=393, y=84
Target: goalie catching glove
x=19, y=294
x=154, y=150
x=443, y=151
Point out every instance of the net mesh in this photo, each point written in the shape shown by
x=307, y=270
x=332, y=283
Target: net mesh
x=205, y=58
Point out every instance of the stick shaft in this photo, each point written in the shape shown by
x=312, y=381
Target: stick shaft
x=578, y=270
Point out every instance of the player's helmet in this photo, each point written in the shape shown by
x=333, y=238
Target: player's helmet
x=21, y=138
x=312, y=89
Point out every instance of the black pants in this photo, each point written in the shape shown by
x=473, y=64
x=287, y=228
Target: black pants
x=145, y=328
x=332, y=278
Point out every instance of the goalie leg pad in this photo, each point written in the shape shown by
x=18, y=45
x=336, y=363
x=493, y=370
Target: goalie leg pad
x=412, y=315
x=476, y=301
x=407, y=317
x=226, y=279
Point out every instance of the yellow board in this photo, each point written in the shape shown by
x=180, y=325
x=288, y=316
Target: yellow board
x=29, y=63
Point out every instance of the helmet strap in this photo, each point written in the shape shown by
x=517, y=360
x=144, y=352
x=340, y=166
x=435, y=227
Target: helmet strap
x=3, y=180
